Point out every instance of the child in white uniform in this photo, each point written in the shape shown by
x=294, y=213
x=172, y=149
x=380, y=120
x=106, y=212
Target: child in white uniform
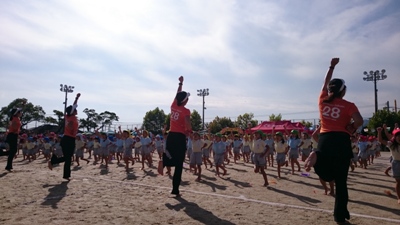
x=259, y=149
x=146, y=151
x=394, y=147
x=196, y=157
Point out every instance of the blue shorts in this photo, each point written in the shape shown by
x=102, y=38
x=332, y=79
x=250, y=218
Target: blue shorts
x=96, y=151
x=246, y=149
x=259, y=159
x=128, y=152
x=363, y=155
x=160, y=150
x=280, y=158
x=355, y=157
x=396, y=169
x=305, y=151
x=196, y=158
x=219, y=159
x=105, y=152
x=79, y=153
x=371, y=152
x=46, y=151
x=120, y=149
x=293, y=153
x=206, y=153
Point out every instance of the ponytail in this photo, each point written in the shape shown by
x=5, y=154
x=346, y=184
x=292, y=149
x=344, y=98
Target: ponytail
x=335, y=89
x=332, y=95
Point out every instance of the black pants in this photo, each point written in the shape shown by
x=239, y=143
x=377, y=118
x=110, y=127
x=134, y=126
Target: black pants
x=68, y=148
x=12, y=141
x=333, y=160
x=176, y=146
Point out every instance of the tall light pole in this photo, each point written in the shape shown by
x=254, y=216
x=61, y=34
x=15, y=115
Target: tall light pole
x=67, y=89
x=375, y=76
x=203, y=93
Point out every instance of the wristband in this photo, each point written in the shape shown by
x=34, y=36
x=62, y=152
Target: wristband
x=331, y=67
x=180, y=84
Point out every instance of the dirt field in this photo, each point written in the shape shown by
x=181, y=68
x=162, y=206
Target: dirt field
x=32, y=194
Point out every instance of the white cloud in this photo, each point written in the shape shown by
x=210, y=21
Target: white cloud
x=260, y=56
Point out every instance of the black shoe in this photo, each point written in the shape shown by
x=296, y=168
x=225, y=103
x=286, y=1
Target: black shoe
x=174, y=192
x=347, y=217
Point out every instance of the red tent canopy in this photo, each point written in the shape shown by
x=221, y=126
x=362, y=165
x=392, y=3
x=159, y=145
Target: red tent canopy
x=266, y=126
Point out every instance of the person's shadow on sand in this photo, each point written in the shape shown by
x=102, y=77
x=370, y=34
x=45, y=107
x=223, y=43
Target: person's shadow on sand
x=56, y=193
x=196, y=212
x=3, y=174
x=302, y=198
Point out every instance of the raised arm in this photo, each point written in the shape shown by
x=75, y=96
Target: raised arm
x=76, y=98
x=328, y=76
x=380, y=139
x=96, y=132
x=273, y=133
x=388, y=135
x=286, y=132
x=180, y=84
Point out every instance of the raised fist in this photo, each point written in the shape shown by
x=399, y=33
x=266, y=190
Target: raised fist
x=334, y=61
x=181, y=79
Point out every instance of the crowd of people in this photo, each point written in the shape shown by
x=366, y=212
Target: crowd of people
x=332, y=150
x=202, y=150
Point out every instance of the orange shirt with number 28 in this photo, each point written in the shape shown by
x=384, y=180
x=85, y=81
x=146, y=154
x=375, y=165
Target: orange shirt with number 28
x=335, y=115
x=178, y=114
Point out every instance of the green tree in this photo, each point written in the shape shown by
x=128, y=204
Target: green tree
x=59, y=120
x=274, y=117
x=168, y=120
x=307, y=124
x=196, y=121
x=243, y=121
x=106, y=119
x=219, y=123
x=383, y=117
x=30, y=113
x=91, y=121
x=50, y=120
x=154, y=121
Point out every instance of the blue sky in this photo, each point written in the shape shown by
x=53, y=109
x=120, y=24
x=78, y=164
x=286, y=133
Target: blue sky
x=261, y=57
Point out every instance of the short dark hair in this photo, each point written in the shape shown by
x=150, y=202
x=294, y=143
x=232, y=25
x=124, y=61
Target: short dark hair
x=181, y=97
x=68, y=110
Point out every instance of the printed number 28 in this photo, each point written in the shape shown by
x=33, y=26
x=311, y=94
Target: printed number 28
x=174, y=115
x=333, y=112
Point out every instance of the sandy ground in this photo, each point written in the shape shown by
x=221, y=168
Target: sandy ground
x=32, y=194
